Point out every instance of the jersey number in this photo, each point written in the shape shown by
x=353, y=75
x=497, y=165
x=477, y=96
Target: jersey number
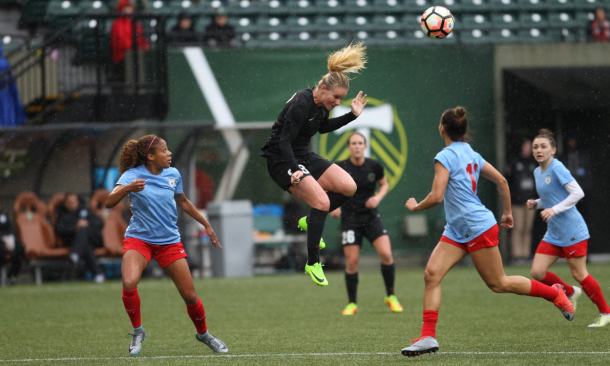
x=474, y=181
x=349, y=237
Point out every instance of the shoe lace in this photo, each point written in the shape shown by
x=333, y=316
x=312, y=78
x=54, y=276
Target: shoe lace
x=134, y=337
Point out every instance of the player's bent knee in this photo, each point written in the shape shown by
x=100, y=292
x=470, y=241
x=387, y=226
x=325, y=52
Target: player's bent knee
x=130, y=283
x=321, y=203
x=431, y=276
x=190, y=298
x=537, y=274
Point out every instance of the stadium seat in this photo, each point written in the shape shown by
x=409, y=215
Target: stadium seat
x=411, y=21
x=390, y=37
x=268, y=40
x=560, y=4
x=388, y=6
x=453, y=5
x=359, y=7
x=532, y=5
x=86, y=40
x=361, y=36
x=503, y=5
x=533, y=20
x=417, y=37
x=327, y=23
x=503, y=36
x=332, y=38
x=301, y=39
x=417, y=6
x=271, y=7
x=476, y=21
x=584, y=17
x=62, y=12
x=113, y=232
x=586, y=4
x=240, y=24
x=34, y=11
x=474, y=5
x=300, y=24
x=505, y=21
x=184, y=6
x=243, y=7
x=329, y=7
x=201, y=24
x=270, y=24
x=33, y=230
x=93, y=7
x=160, y=7
x=355, y=23
x=474, y=36
x=563, y=19
x=533, y=35
x=300, y=7
x=386, y=23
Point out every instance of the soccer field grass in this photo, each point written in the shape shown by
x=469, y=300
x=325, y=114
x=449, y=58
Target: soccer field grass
x=279, y=320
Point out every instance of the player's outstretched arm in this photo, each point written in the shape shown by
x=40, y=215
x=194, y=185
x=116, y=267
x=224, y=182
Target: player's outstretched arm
x=336, y=123
x=490, y=173
x=187, y=206
x=441, y=178
x=120, y=191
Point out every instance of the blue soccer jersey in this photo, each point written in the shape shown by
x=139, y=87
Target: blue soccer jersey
x=467, y=218
x=154, y=208
x=566, y=228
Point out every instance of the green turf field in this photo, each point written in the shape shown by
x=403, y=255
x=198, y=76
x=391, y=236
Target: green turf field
x=281, y=320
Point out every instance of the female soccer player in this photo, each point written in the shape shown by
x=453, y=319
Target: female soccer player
x=316, y=181
x=567, y=235
x=471, y=228
x=359, y=217
x=154, y=190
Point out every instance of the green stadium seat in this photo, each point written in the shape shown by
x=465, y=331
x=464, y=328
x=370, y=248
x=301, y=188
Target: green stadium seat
x=242, y=24
x=411, y=21
x=503, y=5
x=474, y=5
x=301, y=39
x=531, y=4
x=300, y=24
x=62, y=12
x=184, y=6
x=201, y=23
x=417, y=37
x=243, y=7
x=387, y=23
x=359, y=6
x=93, y=7
x=586, y=4
x=361, y=36
x=505, y=20
x=533, y=20
x=86, y=41
x=560, y=4
x=584, y=17
x=567, y=35
x=476, y=21
x=503, y=36
x=300, y=7
x=270, y=24
x=562, y=19
x=417, y=6
x=332, y=39
x=533, y=35
x=271, y=40
x=160, y=7
x=328, y=23
x=329, y=7
x=34, y=11
x=354, y=23
x=388, y=6
x=453, y=5
x=271, y=7
x=474, y=36
x=389, y=38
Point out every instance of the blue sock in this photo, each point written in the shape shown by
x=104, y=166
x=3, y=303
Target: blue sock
x=138, y=329
x=202, y=335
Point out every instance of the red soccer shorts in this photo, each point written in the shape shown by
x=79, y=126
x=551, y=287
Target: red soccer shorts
x=490, y=238
x=164, y=254
x=573, y=251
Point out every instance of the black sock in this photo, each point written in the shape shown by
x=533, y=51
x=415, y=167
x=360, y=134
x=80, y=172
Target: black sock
x=388, y=273
x=336, y=200
x=351, y=282
x=315, y=226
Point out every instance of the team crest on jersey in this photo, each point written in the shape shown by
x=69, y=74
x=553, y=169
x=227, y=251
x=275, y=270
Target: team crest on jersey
x=172, y=182
x=371, y=177
x=548, y=179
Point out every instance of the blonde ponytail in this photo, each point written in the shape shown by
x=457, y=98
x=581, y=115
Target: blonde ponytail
x=349, y=59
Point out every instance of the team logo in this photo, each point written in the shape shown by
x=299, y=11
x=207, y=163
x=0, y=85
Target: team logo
x=172, y=182
x=548, y=179
x=371, y=177
x=384, y=132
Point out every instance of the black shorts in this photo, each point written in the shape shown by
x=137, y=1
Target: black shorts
x=314, y=165
x=352, y=232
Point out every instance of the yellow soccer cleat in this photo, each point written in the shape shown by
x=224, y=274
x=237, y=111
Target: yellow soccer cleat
x=601, y=321
x=350, y=309
x=393, y=303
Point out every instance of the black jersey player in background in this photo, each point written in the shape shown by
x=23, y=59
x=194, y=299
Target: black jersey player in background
x=360, y=218
x=309, y=177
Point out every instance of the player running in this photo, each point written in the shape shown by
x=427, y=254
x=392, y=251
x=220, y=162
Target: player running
x=471, y=229
x=309, y=177
x=567, y=235
x=359, y=217
x=154, y=190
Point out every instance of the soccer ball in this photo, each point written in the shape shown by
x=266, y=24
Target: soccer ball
x=437, y=22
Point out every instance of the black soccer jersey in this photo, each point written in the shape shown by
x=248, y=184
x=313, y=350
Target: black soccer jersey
x=299, y=120
x=366, y=177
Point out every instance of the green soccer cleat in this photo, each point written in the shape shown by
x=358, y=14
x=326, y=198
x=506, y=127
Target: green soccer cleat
x=601, y=321
x=393, y=303
x=316, y=273
x=350, y=309
x=303, y=226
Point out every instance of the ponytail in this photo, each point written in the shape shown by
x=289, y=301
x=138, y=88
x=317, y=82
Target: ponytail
x=545, y=133
x=134, y=152
x=349, y=59
x=455, y=122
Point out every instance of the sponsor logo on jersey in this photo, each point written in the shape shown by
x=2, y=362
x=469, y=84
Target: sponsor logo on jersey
x=384, y=132
x=172, y=182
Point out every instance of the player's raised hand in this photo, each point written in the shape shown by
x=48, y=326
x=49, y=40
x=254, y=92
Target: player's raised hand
x=136, y=186
x=507, y=221
x=358, y=104
x=411, y=204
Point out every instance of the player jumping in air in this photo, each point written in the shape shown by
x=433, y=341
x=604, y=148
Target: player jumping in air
x=567, y=235
x=309, y=177
x=359, y=217
x=154, y=190
x=471, y=229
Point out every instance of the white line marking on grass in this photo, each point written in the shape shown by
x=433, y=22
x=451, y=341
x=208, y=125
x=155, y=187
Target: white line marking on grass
x=298, y=355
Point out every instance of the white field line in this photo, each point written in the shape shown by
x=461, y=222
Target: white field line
x=297, y=355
